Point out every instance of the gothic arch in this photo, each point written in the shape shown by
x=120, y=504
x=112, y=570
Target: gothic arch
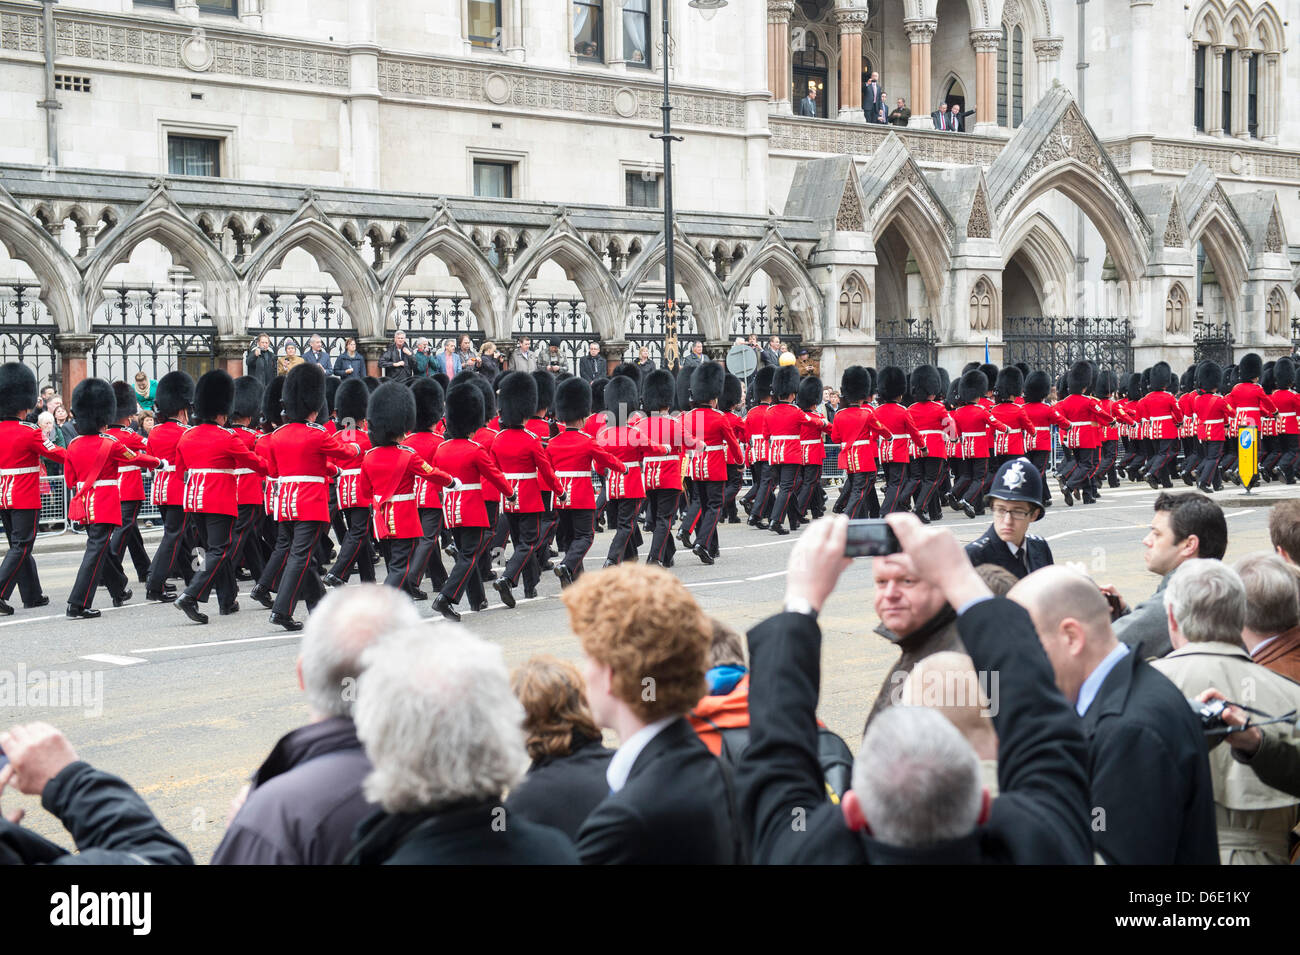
x=24, y=239
x=1043, y=248
x=985, y=307
x=318, y=237
x=704, y=291
x=928, y=236
x=1226, y=253
x=803, y=299
x=1267, y=31
x=466, y=262
x=1178, y=310
x=160, y=219
x=1207, y=26
x=1276, y=320
x=584, y=268
x=854, y=311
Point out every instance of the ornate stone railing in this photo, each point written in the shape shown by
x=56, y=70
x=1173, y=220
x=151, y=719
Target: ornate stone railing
x=801, y=135
x=1229, y=159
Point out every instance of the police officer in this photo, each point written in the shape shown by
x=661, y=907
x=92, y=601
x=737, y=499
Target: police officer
x=1017, y=501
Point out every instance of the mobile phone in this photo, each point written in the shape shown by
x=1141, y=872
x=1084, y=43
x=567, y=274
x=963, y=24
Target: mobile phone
x=4, y=760
x=870, y=538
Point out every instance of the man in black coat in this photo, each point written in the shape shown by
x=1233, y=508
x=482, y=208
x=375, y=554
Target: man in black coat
x=305, y=799
x=109, y=821
x=260, y=361
x=1016, y=501
x=592, y=365
x=671, y=801
x=1152, y=799
x=1041, y=813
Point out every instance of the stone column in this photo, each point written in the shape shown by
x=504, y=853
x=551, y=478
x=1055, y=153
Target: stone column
x=1269, y=93
x=920, y=33
x=717, y=351
x=1214, y=92
x=1241, y=94
x=985, y=43
x=513, y=30
x=230, y=353
x=373, y=349
x=851, y=22
x=363, y=98
x=1047, y=50
x=1139, y=112
x=72, y=351
x=613, y=353
x=778, y=53
x=250, y=13
x=188, y=8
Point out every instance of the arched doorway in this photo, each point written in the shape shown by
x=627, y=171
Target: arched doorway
x=811, y=70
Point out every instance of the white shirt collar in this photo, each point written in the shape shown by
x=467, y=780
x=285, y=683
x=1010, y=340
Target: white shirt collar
x=1091, y=686
x=620, y=764
x=1259, y=647
x=1014, y=548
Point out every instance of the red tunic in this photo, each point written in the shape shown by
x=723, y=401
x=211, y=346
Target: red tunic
x=1211, y=417
x=1085, y=416
x=299, y=455
x=471, y=464
x=91, y=467
x=1161, y=409
x=1287, y=403
x=168, y=485
x=130, y=481
x=425, y=444
x=1249, y=404
x=754, y=433
x=249, y=482
x=595, y=423
x=664, y=471
x=1013, y=441
x=208, y=455
x=630, y=447
x=484, y=437
x=856, y=430
x=811, y=443
x=522, y=459
x=782, y=431
x=347, y=487
x=973, y=423
x=386, y=478
x=896, y=419
x=22, y=445
x=929, y=418
x=575, y=454
x=710, y=426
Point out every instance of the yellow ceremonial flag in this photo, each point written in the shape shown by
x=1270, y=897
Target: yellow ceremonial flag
x=1247, y=455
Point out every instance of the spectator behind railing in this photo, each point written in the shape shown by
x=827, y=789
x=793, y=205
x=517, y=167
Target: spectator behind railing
x=350, y=364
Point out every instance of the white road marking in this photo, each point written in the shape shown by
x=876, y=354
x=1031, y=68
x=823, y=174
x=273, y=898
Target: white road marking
x=775, y=573
x=218, y=643
x=712, y=583
x=59, y=616
x=113, y=659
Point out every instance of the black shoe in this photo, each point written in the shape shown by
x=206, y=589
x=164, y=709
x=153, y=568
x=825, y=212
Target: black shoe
x=122, y=600
x=1204, y=489
x=548, y=564
x=530, y=593
x=1068, y=496
x=780, y=529
x=82, y=613
x=968, y=509
x=451, y=551
x=761, y=525
x=502, y=587
x=244, y=575
x=566, y=577
x=280, y=620
x=443, y=606
x=651, y=562
x=733, y=519
x=608, y=563
x=415, y=593
x=668, y=563
x=5, y=609
x=480, y=607
x=163, y=598
x=227, y=611
x=41, y=601
x=1188, y=479
x=190, y=607
x=329, y=580
x=141, y=577
x=263, y=597
x=704, y=556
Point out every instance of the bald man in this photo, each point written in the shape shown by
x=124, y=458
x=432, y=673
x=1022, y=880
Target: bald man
x=947, y=682
x=1152, y=799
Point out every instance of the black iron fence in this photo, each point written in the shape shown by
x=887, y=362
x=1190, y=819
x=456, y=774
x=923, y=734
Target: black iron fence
x=1054, y=344
x=1213, y=342
x=906, y=343
x=151, y=330
x=27, y=332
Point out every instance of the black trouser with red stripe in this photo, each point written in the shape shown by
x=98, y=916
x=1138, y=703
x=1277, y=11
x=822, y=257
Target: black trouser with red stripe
x=755, y=482
x=766, y=497
x=970, y=481
x=787, y=496
x=398, y=554
x=96, y=564
x=1040, y=461
x=1211, y=453
x=19, y=567
x=735, y=473
x=127, y=537
x=861, y=486
x=579, y=527
x=485, y=559
x=354, y=548
x=1107, y=458
x=427, y=557
x=1290, y=444
x=471, y=544
x=898, y=488
x=1077, y=474
x=661, y=508
x=924, y=474
x=711, y=494
x=810, y=482
x=526, y=531
x=248, y=540
x=218, y=566
x=299, y=576
x=1162, y=458
x=173, y=557
x=624, y=511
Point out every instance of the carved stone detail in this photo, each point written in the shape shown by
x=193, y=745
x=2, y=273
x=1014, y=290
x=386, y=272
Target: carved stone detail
x=1273, y=237
x=1049, y=48
x=779, y=11
x=849, y=217
x=836, y=138
x=1174, y=237
x=979, y=225
x=1011, y=14
x=909, y=177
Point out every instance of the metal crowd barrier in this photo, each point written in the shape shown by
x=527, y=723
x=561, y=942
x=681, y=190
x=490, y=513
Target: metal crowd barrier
x=53, y=517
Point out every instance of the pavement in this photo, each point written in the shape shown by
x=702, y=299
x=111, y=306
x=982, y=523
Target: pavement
x=185, y=712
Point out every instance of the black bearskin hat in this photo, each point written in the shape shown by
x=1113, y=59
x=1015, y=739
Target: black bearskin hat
x=428, y=403
x=871, y=389
x=464, y=410
x=1161, y=375
x=1135, y=386
x=248, y=398
x=304, y=392
x=372, y=383
x=732, y=393
x=1284, y=373
x=657, y=390
x=486, y=393
x=810, y=393
x=273, y=404
x=351, y=403
x=1024, y=368
x=971, y=366
x=1037, y=386
x=18, y=392
x=1079, y=378
x=855, y=385
x=763, y=383
x=990, y=374
x=213, y=395
x=945, y=383
x=93, y=406
x=332, y=383
x=1266, y=380
x=925, y=382
x=1250, y=367
x=598, y=394
x=1105, y=383
x=892, y=383
x=1209, y=376
x=974, y=385
x=707, y=383
x=628, y=370
x=1010, y=383
x=517, y=399
x=573, y=400
x=390, y=414
x=175, y=393
x=545, y=390
x=443, y=381
x=124, y=396
x=621, y=399
x=682, y=390
x=1188, y=381
x=785, y=382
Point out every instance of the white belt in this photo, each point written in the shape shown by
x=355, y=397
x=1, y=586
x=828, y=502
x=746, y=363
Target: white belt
x=1080, y=424
x=974, y=434
x=856, y=444
x=300, y=479
x=578, y=474
x=350, y=472
x=661, y=458
x=633, y=464
x=723, y=447
x=784, y=437
x=801, y=441
x=212, y=471
x=521, y=477
x=1043, y=428
x=937, y=432
x=100, y=484
x=1241, y=409
x=239, y=471
x=167, y=467
x=124, y=468
x=1280, y=414
x=1163, y=417
x=1213, y=421
x=468, y=487
x=6, y=472
x=398, y=497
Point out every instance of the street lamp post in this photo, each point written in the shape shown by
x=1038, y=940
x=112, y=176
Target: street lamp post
x=708, y=8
